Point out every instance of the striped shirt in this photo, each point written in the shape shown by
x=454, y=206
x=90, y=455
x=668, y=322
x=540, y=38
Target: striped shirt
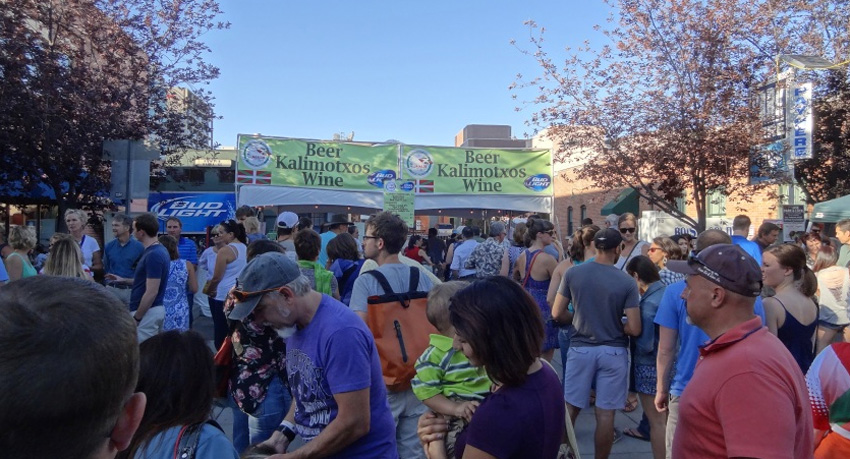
x=443, y=370
x=188, y=250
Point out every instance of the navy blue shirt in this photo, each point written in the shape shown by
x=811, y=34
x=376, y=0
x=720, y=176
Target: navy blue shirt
x=121, y=259
x=153, y=265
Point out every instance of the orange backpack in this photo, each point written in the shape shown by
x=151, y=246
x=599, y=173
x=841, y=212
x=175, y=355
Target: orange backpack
x=401, y=329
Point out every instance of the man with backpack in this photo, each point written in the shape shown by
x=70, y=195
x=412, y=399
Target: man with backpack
x=395, y=327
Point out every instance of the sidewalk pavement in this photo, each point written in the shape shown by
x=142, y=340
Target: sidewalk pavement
x=624, y=448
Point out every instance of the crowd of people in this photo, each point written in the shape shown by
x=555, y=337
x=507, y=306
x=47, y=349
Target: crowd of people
x=389, y=345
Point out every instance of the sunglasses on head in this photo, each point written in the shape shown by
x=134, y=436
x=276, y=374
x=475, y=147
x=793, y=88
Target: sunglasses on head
x=242, y=295
x=550, y=232
x=627, y=230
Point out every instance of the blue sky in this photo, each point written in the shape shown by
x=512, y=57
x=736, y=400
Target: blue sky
x=417, y=72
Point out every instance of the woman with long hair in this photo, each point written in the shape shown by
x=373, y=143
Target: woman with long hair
x=181, y=274
x=790, y=314
x=498, y=326
x=345, y=263
x=632, y=246
x=535, y=267
x=229, y=262
x=64, y=258
x=176, y=376
x=651, y=288
x=517, y=245
x=76, y=220
x=834, y=297
x=812, y=243
x=660, y=252
x=18, y=266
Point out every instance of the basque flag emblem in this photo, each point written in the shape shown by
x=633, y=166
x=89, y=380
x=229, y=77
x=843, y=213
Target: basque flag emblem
x=254, y=177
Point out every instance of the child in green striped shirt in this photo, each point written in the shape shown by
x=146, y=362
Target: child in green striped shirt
x=445, y=381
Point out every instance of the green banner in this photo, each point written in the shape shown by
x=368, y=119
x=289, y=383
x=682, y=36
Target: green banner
x=314, y=164
x=474, y=170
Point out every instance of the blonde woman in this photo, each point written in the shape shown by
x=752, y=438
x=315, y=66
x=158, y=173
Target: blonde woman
x=252, y=229
x=65, y=259
x=75, y=220
x=18, y=266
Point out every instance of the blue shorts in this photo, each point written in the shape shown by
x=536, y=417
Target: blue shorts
x=606, y=366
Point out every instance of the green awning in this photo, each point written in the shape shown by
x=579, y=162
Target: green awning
x=626, y=201
x=832, y=210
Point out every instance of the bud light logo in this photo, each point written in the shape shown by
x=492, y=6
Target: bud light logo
x=538, y=182
x=377, y=178
x=195, y=211
x=407, y=186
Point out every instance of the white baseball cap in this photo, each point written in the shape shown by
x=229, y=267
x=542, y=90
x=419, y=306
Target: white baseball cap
x=287, y=220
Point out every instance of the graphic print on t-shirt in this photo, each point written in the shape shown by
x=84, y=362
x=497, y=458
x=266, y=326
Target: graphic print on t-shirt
x=308, y=388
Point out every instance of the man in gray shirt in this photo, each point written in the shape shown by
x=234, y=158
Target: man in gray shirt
x=600, y=295
x=383, y=239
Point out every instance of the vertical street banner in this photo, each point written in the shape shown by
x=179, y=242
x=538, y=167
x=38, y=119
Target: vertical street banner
x=473, y=170
x=315, y=164
x=801, y=116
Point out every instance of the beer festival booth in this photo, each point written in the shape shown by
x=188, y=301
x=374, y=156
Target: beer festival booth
x=361, y=178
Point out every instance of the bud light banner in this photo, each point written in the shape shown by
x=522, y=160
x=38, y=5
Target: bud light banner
x=196, y=211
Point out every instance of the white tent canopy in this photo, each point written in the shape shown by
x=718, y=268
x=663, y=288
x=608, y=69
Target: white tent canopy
x=300, y=199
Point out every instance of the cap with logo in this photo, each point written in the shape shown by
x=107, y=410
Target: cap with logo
x=727, y=265
x=265, y=271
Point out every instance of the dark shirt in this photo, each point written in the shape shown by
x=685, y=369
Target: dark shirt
x=154, y=264
x=121, y=259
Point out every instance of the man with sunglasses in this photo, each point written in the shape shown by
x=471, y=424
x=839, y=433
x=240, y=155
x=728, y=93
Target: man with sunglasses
x=679, y=341
x=332, y=364
x=747, y=397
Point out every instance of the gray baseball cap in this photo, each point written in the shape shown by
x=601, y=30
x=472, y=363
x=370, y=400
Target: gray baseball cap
x=267, y=271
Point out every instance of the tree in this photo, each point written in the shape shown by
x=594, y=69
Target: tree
x=667, y=107
x=74, y=73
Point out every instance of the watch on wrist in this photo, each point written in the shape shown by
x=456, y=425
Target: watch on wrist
x=287, y=429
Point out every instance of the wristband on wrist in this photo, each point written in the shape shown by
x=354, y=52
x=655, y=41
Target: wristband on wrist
x=136, y=319
x=287, y=429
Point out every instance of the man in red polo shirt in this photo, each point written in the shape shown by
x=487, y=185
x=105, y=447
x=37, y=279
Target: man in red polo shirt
x=747, y=397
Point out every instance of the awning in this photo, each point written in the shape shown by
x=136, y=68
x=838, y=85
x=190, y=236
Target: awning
x=626, y=201
x=832, y=210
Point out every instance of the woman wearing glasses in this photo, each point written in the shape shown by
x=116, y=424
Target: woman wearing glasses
x=229, y=262
x=632, y=247
x=662, y=250
x=535, y=267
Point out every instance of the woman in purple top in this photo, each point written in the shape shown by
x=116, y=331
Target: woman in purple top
x=498, y=325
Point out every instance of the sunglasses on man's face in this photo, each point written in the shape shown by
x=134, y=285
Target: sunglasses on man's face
x=242, y=295
x=627, y=230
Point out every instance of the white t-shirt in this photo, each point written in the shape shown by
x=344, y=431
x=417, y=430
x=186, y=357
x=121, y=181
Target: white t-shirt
x=88, y=245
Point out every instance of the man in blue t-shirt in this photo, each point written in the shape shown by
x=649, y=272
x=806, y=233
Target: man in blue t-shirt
x=674, y=325
x=120, y=256
x=149, y=279
x=332, y=364
x=740, y=230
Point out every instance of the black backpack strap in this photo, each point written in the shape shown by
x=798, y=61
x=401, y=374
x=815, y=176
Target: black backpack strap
x=189, y=438
x=382, y=280
x=414, y=279
x=343, y=281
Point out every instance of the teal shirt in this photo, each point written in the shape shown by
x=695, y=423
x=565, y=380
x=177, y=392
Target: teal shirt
x=443, y=370
x=27, y=269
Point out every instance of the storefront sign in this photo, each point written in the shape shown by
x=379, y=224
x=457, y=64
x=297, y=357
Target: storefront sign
x=801, y=115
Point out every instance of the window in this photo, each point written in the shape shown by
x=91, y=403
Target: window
x=583, y=212
x=682, y=203
x=716, y=203
x=570, y=220
x=226, y=176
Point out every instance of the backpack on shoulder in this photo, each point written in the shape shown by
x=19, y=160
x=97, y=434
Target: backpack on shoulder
x=401, y=329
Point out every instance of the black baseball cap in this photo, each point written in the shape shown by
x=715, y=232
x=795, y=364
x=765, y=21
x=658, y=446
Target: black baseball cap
x=727, y=265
